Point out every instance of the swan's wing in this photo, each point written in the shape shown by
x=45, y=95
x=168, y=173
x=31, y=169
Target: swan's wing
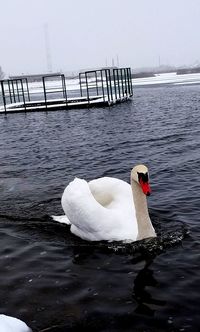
x=102, y=189
x=81, y=208
x=111, y=193
x=95, y=219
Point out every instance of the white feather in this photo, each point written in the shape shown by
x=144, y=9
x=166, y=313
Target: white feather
x=12, y=324
x=102, y=209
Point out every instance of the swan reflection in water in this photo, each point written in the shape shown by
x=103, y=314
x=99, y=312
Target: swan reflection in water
x=144, y=302
x=141, y=295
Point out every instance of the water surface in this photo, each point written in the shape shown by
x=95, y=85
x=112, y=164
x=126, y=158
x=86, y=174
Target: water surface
x=51, y=279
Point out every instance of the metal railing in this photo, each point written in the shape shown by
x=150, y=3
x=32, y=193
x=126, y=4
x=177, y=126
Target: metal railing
x=47, y=90
x=106, y=86
x=15, y=91
x=110, y=83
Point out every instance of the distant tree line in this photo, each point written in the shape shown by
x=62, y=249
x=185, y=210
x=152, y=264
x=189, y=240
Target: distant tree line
x=1, y=73
x=183, y=71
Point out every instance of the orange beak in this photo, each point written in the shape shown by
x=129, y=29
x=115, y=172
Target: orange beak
x=145, y=187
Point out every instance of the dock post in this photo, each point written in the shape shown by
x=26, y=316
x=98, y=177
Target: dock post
x=17, y=90
x=80, y=83
x=115, y=83
x=13, y=90
x=87, y=88
x=102, y=85
x=27, y=89
x=110, y=83
x=96, y=83
x=10, y=95
x=63, y=93
x=121, y=71
x=118, y=83
x=23, y=96
x=44, y=90
x=130, y=79
x=3, y=95
x=64, y=88
x=107, y=87
x=126, y=84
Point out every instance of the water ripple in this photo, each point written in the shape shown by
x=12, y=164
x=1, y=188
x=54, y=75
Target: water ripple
x=54, y=281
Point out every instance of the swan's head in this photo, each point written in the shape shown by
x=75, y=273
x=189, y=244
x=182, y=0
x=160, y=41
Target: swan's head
x=140, y=174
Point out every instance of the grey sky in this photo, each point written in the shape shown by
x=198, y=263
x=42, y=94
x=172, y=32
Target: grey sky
x=84, y=33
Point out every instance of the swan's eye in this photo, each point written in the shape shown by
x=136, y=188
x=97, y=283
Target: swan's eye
x=143, y=176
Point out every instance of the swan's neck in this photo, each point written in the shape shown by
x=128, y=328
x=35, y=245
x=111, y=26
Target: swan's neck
x=145, y=228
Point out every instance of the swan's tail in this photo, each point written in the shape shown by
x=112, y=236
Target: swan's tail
x=61, y=219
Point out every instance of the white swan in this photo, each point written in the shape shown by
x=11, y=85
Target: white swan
x=12, y=324
x=108, y=208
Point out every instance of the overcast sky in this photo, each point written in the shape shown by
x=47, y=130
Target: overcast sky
x=90, y=33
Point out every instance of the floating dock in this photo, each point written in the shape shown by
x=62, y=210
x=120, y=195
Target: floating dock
x=95, y=88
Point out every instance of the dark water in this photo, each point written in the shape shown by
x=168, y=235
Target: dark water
x=56, y=282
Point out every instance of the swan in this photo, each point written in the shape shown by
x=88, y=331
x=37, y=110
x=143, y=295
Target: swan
x=12, y=324
x=108, y=208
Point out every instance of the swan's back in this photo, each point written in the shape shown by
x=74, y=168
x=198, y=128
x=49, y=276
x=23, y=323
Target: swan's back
x=102, y=209
x=110, y=192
